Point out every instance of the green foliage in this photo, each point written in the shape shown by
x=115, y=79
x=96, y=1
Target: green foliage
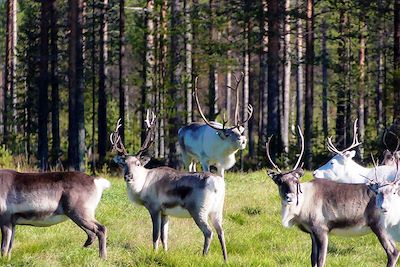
x=6, y=158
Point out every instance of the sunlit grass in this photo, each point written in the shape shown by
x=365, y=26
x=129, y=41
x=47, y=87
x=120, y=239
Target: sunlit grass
x=252, y=223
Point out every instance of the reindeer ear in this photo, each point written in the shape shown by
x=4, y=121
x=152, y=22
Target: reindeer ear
x=298, y=173
x=144, y=160
x=120, y=160
x=274, y=176
x=350, y=154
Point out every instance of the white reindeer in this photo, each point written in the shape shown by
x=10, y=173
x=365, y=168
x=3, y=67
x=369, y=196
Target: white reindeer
x=322, y=207
x=44, y=199
x=212, y=143
x=167, y=192
x=342, y=168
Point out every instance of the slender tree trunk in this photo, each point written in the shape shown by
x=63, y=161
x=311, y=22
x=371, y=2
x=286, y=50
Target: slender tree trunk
x=396, y=59
x=55, y=99
x=93, y=73
x=341, y=92
x=149, y=66
x=76, y=130
x=263, y=81
x=229, y=74
x=361, y=90
x=102, y=94
x=273, y=76
x=177, y=106
x=300, y=70
x=43, y=86
x=286, y=80
x=188, y=66
x=309, y=111
x=247, y=90
x=212, y=73
x=324, y=52
x=121, y=71
x=9, y=67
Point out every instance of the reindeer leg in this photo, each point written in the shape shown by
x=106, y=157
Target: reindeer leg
x=156, y=219
x=314, y=251
x=202, y=223
x=11, y=240
x=89, y=224
x=321, y=238
x=6, y=236
x=205, y=166
x=216, y=219
x=91, y=237
x=164, y=231
x=387, y=244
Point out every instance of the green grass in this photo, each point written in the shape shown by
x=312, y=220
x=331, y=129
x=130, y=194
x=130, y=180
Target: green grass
x=252, y=223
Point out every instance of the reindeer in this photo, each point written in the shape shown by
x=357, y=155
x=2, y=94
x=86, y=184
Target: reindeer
x=44, y=199
x=342, y=168
x=213, y=143
x=390, y=158
x=322, y=207
x=165, y=192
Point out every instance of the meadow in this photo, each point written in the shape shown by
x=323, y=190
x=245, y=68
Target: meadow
x=252, y=224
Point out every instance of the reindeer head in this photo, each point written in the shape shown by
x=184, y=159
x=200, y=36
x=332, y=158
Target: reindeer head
x=132, y=164
x=390, y=157
x=234, y=135
x=288, y=182
x=342, y=164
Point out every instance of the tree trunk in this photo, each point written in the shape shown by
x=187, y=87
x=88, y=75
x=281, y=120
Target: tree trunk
x=9, y=72
x=300, y=70
x=247, y=90
x=43, y=86
x=263, y=81
x=188, y=66
x=396, y=59
x=55, y=99
x=361, y=90
x=308, y=123
x=324, y=52
x=76, y=130
x=176, y=100
x=102, y=94
x=121, y=71
x=341, y=92
x=212, y=73
x=273, y=76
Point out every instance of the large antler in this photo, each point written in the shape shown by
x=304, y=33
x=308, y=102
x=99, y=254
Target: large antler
x=150, y=123
x=269, y=155
x=302, y=147
x=355, y=143
x=397, y=139
x=116, y=141
x=201, y=111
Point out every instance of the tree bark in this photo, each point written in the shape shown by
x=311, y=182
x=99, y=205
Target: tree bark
x=263, y=81
x=361, y=90
x=212, y=73
x=102, y=94
x=121, y=71
x=396, y=59
x=76, y=130
x=55, y=99
x=273, y=76
x=324, y=52
x=309, y=111
x=176, y=101
x=43, y=86
x=300, y=70
x=188, y=65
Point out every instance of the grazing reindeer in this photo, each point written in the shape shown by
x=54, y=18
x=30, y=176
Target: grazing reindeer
x=322, y=207
x=44, y=199
x=212, y=143
x=167, y=192
x=342, y=168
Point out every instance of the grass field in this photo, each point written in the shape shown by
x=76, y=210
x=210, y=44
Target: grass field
x=254, y=235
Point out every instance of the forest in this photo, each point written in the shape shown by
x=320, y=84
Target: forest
x=71, y=69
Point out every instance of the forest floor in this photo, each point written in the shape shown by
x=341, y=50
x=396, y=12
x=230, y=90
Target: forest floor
x=252, y=224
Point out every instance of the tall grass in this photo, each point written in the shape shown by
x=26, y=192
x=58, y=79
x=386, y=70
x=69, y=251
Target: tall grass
x=252, y=226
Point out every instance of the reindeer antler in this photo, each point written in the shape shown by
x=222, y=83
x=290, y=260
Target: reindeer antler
x=269, y=155
x=116, y=141
x=302, y=148
x=150, y=123
x=355, y=143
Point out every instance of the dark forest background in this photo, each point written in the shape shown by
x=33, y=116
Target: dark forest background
x=71, y=68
